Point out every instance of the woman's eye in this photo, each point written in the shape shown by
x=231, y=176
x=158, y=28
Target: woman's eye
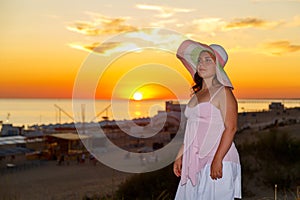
x=205, y=61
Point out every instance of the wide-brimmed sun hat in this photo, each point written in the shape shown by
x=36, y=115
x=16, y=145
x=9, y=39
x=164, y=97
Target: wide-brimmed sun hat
x=189, y=51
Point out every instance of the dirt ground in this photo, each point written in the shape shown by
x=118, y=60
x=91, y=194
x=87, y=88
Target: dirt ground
x=51, y=181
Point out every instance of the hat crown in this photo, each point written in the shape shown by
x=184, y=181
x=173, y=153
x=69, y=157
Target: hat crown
x=220, y=53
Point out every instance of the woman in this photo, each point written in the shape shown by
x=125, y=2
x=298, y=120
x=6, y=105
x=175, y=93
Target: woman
x=208, y=161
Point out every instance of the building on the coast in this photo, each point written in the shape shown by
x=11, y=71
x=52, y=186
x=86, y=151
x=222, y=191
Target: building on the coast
x=277, y=115
x=13, y=150
x=10, y=130
x=12, y=141
x=174, y=106
x=276, y=106
x=64, y=144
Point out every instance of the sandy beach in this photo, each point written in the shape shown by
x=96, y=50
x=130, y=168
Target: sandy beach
x=51, y=181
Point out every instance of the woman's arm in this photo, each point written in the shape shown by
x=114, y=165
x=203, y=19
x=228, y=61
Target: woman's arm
x=229, y=110
x=178, y=162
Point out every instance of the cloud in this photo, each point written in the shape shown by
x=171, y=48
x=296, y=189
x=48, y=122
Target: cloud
x=209, y=25
x=281, y=47
x=276, y=48
x=85, y=28
x=134, y=41
x=106, y=48
x=164, y=12
x=157, y=37
x=248, y=22
x=96, y=46
x=101, y=25
x=213, y=25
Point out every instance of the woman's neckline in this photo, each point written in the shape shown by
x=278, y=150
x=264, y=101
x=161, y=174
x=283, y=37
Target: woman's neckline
x=198, y=104
x=201, y=103
x=210, y=99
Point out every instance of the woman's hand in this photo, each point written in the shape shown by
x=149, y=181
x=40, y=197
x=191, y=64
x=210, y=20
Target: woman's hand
x=216, y=170
x=177, y=166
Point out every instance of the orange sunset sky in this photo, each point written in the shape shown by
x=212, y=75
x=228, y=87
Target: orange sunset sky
x=46, y=46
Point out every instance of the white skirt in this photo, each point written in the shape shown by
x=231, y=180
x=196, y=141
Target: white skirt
x=226, y=188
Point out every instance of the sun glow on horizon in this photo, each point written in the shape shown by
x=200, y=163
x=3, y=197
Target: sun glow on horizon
x=137, y=96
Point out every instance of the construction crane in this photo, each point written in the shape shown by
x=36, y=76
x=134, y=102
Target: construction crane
x=83, y=112
x=104, y=110
x=62, y=110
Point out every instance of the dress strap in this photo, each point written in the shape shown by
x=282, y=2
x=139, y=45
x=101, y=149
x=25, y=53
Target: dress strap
x=213, y=96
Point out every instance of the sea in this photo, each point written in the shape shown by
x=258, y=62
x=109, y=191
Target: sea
x=29, y=112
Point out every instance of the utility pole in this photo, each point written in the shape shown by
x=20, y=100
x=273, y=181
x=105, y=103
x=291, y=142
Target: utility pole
x=104, y=110
x=83, y=118
x=275, y=193
x=7, y=117
x=61, y=110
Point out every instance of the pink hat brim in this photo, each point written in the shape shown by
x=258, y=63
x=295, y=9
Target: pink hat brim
x=188, y=53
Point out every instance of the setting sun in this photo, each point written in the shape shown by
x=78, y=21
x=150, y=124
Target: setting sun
x=125, y=47
x=138, y=96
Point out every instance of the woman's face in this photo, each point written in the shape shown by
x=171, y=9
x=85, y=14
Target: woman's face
x=206, y=67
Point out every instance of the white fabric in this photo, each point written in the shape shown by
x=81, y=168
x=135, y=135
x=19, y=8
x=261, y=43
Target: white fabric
x=226, y=188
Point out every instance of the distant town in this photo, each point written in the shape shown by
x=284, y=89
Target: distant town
x=62, y=141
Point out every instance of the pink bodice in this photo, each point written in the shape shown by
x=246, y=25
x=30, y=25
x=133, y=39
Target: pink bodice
x=203, y=133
